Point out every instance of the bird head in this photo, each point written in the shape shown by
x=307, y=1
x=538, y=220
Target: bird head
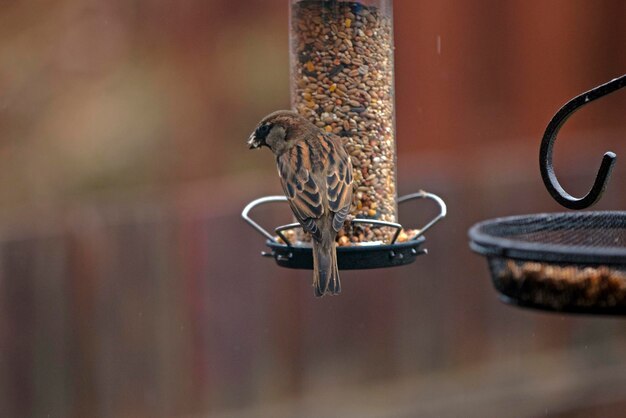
x=278, y=131
x=258, y=138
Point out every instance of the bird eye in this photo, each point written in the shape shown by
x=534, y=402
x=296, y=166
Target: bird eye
x=262, y=131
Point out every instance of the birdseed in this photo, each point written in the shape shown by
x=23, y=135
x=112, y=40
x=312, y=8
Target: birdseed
x=342, y=81
x=561, y=287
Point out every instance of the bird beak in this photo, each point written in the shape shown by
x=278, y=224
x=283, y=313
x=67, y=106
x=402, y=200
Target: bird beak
x=253, y=142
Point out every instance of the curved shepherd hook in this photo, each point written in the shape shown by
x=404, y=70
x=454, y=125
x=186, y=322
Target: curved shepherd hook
x=547, y=143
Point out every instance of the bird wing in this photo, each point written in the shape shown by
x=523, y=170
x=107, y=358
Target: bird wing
x=303, y=193
x=338, y=180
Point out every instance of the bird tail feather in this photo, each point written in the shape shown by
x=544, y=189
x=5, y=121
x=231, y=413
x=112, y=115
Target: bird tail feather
x=325, y=271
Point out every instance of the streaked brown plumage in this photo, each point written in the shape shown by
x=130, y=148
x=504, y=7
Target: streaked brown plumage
x=316, y=175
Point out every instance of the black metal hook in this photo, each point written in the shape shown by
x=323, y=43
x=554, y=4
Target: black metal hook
x=547, y=143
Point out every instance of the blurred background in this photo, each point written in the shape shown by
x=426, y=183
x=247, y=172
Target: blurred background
x=130, y=286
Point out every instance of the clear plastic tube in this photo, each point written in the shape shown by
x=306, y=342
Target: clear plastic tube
x=342, y=79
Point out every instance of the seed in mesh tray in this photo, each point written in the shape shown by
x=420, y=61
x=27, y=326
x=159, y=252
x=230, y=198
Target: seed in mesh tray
x=343, y=83
x=564, y=286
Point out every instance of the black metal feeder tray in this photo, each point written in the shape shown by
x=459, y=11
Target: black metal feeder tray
x=567, y=262
x=355, y=257
x=563, y=262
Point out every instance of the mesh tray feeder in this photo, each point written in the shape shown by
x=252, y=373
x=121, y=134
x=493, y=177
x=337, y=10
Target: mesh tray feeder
x=567, y=262
x=572, y=262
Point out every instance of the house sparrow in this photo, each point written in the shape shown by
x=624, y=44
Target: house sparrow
x=316, y=174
